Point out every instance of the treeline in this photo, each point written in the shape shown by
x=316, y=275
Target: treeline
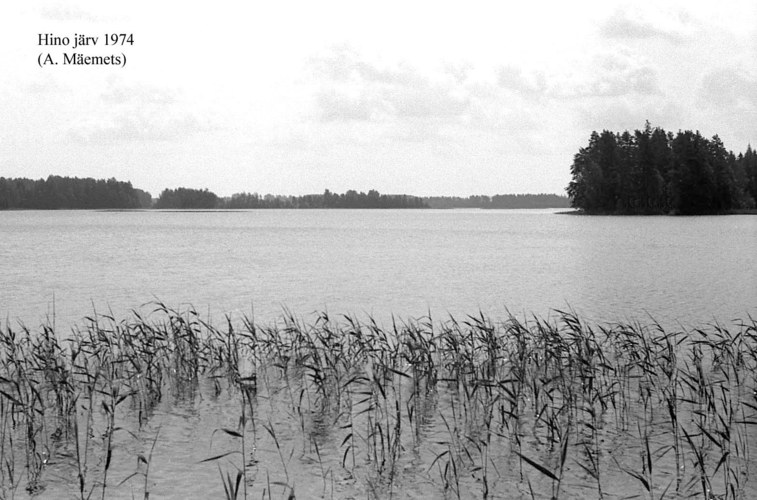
x=57, y=192
x=195, y=198
x=652, y=171
x=350, y=199
x=182, y=198
x=500, y=201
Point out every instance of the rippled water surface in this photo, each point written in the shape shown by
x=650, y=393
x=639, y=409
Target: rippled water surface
x=681, y=271
x=406, y=263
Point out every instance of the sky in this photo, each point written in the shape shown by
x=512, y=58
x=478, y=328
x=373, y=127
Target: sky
x=417, y=97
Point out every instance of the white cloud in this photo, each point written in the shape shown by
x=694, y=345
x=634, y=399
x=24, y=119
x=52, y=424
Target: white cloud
x=627, y=114
x=141, y=126
x=729, y=90
x=39, y=86
x=633, y=23
x=516, y=79
x=728, y=100
x=139, y=93
x=429, y=100
x=342, y=105
x=518, y=107
x=609, y=74
x=351, y=88
x=61, y=12
x=137, y=112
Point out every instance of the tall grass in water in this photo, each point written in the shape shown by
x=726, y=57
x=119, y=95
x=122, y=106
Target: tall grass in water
x=475, y=408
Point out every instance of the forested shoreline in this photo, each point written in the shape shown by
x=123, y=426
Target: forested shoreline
x=58, y=192
x=652, y=171
x=184, y=198
x=64, y=193
x=541, y=200
x=649, y=171
x=187, y=198
x=349, y=199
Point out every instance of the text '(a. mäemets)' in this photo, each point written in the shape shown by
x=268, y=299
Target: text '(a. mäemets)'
x=81, y=43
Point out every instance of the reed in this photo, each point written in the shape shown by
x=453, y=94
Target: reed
x=481, y=405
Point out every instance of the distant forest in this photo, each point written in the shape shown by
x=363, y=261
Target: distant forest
x=57, y=192
x=196, y=198
x=500, y=201
x=652, y=171
x=350, y=199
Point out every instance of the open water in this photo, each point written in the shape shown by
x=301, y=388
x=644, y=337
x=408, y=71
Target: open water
x=377, y=262
x=62, y=265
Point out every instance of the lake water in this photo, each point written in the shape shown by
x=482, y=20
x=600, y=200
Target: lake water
x=687, y=271
x=365, y=262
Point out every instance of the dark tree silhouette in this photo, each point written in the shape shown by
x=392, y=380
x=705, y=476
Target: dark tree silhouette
x=185, y=198
x=653, y=172
x=57, y=192
x=500, y=201
x=350, y=199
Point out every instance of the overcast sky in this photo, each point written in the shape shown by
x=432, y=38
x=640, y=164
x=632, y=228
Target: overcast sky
x=426, y=98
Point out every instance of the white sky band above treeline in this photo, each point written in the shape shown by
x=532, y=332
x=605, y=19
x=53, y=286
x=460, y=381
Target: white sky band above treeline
x=428, y=98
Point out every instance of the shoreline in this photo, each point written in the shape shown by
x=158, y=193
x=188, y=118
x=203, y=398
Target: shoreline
x=743, y=211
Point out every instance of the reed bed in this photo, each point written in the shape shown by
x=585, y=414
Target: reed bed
x=336, y=407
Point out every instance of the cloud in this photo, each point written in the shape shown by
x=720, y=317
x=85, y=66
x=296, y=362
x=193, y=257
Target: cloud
x=141, y=127
x=66, y=13
x=344, y=64
x=625, y=26
x=351, y=88
x=513, y=78
x=641, y=80
x=141, y=94
x=429, y=100
x=340, y=105
x=726, y=102
x=459, y=71
x=627, y=114
x=729, y=89
x=39, y=86
x=600, y=74
x=610, y=74
x=137, y=112
x=397, y=101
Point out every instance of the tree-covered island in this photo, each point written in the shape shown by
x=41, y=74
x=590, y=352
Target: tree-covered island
x=652, y=171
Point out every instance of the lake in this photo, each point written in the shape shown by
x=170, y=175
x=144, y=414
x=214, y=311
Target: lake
x=325, y=408
x=378, y=262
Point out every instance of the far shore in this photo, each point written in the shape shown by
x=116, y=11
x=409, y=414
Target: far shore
x=741, y=211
